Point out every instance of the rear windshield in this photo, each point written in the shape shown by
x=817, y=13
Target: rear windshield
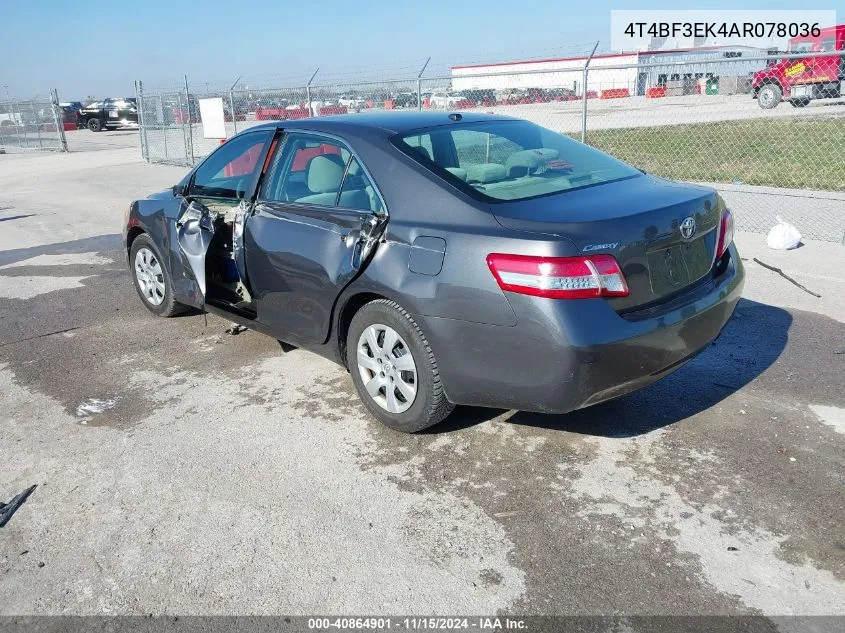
x=510, y=160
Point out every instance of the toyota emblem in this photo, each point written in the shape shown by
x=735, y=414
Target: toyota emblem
x=688, y=228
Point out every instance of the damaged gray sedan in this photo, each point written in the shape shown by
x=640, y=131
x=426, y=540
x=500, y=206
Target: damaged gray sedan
x=445, y=259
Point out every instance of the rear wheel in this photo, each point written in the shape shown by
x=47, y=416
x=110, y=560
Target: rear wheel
x=94, y=125
x=800, y=103
x=394, y=369
x=769, y=96
x=152, y=278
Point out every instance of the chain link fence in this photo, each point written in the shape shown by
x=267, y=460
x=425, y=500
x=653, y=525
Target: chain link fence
x=32, y=125
x=680, y=116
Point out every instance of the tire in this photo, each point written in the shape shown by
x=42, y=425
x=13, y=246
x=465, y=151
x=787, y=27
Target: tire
x=429, y=404
x=94, y=125
x=800, y=103
x=769, y=96
x=160, y=303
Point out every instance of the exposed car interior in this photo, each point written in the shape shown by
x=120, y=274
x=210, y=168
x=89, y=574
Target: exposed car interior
x=312, y=170
x=217, y=194
x=511, y=160
x=305, y=169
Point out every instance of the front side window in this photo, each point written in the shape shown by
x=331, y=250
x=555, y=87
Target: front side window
x=512, y=160
x=312, y=169
x=229, y=172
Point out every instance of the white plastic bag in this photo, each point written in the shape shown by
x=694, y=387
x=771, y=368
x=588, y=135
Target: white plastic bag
x=783, y=236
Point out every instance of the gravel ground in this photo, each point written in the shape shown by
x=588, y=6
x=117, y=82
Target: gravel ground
x=184, y=471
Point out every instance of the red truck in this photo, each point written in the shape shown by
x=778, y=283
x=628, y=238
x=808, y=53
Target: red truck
x=800, y=80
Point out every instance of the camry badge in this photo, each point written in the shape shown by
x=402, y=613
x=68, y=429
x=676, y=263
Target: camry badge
x=609, y=246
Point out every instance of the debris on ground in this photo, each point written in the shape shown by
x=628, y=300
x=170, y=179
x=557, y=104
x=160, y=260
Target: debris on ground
x=787, y=277
x=235, y=329
x=8, y=509
x=94, y=405
x=783, y=236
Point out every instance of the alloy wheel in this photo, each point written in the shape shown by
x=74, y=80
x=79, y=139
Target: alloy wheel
x=150, y=276
x=387, y=368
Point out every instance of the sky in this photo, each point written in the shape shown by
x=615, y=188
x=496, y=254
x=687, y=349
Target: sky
x=277, y=43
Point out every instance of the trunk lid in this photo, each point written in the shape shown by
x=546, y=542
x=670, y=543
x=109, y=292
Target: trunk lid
x=639, y=221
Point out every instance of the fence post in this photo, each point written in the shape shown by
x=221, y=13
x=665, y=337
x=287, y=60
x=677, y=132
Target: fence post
x=308, y=91
x=190, y=145
x=57, y=119
x=19, y=125
x=36, y=118
x=181, y=121
x=232, y=104
x=419, y=84
x=163, y=125
x=584, y=95
x=139, y=96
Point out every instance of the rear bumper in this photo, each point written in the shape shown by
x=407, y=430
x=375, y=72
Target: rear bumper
x=565, y=355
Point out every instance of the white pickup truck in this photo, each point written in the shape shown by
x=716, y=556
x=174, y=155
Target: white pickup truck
x=444, y=100
x=8, y=118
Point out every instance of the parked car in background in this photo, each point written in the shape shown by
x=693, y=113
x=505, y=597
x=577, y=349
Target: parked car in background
x=70, y=117
x=444, y=100
x=478, y=95
x=561, y=94
x=110, y=113
x=351, y=101
x=445, y=259
x=10, y=116
x=405, y=100
x=512, y=95
x=74, y=105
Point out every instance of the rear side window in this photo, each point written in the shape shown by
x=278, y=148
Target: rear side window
x=511, y=160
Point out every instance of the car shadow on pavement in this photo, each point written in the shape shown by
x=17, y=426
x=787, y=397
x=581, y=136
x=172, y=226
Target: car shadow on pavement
x=750, y=343
x=94, y=244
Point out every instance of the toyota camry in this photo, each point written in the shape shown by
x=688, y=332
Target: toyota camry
x=445, y=259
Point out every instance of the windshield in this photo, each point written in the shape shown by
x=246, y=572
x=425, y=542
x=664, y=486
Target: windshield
x=510, y=160
x=803, y=46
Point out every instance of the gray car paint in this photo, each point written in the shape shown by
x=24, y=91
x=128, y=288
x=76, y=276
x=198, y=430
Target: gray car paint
x=493, y=348
x=194, y=232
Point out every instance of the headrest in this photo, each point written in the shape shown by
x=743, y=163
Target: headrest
x=457, y=172
x=520, y=163
x=486, y=172
x=324, y=175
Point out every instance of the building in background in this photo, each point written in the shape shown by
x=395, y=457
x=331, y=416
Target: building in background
x=635, y=72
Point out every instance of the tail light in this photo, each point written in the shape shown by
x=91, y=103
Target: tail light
x=559, y=277
x=726, y=233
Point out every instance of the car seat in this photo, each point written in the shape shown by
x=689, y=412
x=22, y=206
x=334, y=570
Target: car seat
x=324, y=175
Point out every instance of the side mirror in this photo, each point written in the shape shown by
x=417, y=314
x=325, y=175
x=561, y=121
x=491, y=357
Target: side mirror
x=179, y=190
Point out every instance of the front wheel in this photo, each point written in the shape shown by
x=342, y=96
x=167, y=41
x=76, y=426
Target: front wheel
x=95, y=125
x=769, y=96
x=394, y=369
x=152, y=278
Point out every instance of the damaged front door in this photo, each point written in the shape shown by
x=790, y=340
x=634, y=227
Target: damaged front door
x=315, y=224
x=210, y=224
x=194, y=230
